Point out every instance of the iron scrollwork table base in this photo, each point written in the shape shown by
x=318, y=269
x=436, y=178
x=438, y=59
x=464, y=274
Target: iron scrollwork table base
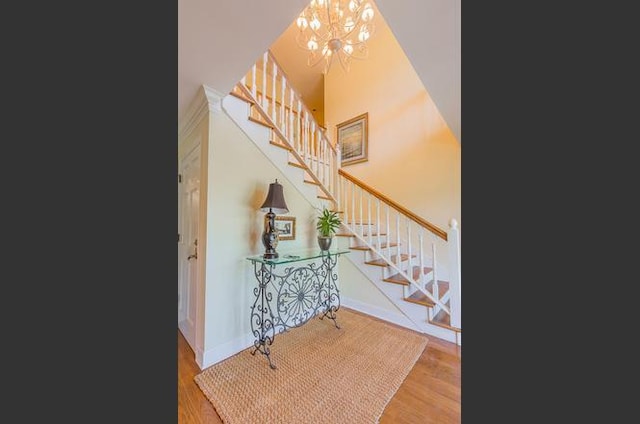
x=302, y=291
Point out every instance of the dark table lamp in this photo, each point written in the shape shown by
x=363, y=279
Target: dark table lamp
x=274, y=203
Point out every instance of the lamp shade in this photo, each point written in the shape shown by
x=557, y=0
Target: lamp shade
x=275, y=199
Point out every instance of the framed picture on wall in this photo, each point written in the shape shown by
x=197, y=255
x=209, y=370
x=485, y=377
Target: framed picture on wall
x=286, y=226
x=353, y=139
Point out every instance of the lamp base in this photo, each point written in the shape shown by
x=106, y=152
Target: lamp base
x=270, y=236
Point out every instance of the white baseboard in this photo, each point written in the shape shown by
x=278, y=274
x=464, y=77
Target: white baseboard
x=222, y=352
x=383, y=314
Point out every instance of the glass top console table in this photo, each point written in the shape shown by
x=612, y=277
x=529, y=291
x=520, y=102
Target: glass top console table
x=292, y=289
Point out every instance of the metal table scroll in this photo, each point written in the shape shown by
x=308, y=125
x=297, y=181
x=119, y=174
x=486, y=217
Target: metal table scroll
x=291, y=290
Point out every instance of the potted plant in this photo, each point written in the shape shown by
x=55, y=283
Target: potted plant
x=328, y=223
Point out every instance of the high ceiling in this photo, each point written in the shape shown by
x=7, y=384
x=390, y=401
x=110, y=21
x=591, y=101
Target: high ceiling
x=219, y=40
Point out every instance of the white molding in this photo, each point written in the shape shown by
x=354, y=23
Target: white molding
x=378, y=312
x=219, y=353
x=207, y=100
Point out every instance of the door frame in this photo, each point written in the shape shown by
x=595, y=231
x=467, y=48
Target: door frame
x=194, y=150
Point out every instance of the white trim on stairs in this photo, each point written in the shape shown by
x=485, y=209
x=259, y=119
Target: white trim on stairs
x=376, y=311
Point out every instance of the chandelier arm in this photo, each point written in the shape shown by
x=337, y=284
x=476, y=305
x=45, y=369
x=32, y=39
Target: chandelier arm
x=342, y=63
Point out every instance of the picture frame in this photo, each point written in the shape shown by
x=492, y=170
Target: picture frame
x=353, y=140
x=286, y=226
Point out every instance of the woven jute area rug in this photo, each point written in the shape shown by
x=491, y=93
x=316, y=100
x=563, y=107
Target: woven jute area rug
x=323, y=375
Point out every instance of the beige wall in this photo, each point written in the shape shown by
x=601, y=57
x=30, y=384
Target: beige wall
x=412, y=155
x=239, y=177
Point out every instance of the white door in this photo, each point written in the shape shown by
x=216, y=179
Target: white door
x=188, y=220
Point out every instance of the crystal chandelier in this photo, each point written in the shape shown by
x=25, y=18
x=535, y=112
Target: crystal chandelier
x=335, y=28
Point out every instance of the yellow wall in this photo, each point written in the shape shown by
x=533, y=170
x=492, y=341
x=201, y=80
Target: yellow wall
x=413, y=157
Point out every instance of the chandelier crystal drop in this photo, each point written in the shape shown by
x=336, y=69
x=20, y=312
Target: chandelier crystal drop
x=335, y=28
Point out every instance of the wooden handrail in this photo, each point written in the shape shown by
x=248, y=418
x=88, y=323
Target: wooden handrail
x=429, y=226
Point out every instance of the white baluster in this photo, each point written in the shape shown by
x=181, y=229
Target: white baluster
x=361, y=215
x=345, y=200
x=274, y=113
x=409, y=247
x=353, y=207
x=291, y=136
x=388, y=231
x=254, y=88
x=436, y=294
x=336, y=164
x=314, y=153
x=422, y=275
x=369, y=226
x=378, y=229
x=265, y=103
x=397, y=238
x=323, y=170
x=283, y=125
x=455, y=277
x=299, y=125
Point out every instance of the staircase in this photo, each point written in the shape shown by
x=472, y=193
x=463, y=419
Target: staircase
x=413, y=263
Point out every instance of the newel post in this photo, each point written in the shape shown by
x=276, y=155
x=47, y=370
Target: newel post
x=453, y=242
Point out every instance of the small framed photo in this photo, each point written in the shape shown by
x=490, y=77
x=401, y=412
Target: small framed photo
x=353, y=139
x=286, y=226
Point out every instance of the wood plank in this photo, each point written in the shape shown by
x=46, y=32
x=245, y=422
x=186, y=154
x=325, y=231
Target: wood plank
x=297, y=165
x=399, y=279
x=442, y=319
x=353, y=235
x=258, y=121
x=241, y=97
x=383, y=262
x=420, y=298
x=282, y=146
x=382, y=246
x=443, y=287
x=193, y=406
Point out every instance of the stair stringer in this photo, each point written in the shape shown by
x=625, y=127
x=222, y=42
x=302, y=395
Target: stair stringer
x=417, y=314
x=238, y=111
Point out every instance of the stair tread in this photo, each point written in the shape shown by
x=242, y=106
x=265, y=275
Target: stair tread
x=311, y=182
x=296, y=164
x=383, y=262
x=443, y=287
x=241, y=97
x=258, y=121
x=353, y=235
x=382, y=246
x=319, y=196
x=442, y=319
x=282, y=146
x=420, y=298
x=399, y=279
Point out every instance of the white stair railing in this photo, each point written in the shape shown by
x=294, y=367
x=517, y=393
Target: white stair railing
x=398, y=236
x=281, y=107
x=395, y=228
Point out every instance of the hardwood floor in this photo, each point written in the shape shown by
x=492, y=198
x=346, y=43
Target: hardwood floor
x=429, y=394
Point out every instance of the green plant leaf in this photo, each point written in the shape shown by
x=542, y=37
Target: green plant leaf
x=328, y=223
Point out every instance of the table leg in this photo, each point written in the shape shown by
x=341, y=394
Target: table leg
x=262, y=320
